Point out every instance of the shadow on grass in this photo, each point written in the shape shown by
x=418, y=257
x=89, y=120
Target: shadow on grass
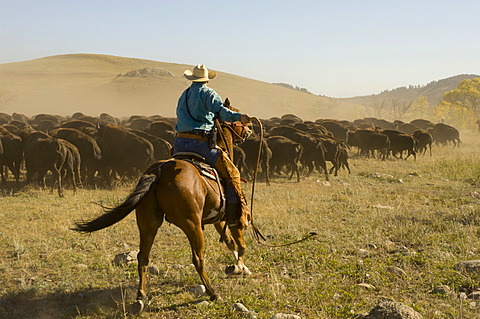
x=30, y=304
x=106, y=303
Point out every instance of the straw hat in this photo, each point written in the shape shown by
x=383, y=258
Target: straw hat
x=200, y=74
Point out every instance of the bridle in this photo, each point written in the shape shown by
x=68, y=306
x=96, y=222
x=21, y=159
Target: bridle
x=238, y=137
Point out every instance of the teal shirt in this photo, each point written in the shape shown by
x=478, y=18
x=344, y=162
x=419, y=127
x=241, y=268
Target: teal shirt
x=205, y=106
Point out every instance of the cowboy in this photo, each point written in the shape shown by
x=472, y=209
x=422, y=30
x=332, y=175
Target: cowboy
x=197, y=109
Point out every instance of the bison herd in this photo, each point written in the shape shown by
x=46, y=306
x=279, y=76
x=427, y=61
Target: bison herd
x=86, y=151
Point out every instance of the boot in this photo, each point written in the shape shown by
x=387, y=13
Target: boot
x=238, y=214
x=245, y=216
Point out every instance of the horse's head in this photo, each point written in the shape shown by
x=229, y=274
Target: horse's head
x=239, y=131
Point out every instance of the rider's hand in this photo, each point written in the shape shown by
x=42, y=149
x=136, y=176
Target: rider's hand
x=245, y=119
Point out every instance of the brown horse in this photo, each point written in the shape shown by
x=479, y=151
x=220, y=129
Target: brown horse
x=174, y=190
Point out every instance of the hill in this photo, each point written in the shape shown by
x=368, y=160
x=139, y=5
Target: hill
x=433, y=91
x=93, y=84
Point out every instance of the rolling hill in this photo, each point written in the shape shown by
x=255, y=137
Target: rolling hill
x=433, y=91
x=93, y=84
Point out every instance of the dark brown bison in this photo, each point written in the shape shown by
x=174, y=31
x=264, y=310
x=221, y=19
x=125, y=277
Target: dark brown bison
x=313, y=150
x=12, y=157
x=422, y=124
x=123, y=152
x=424, y=140
x=162, y=148
x=336, y=153
x=285, y=152
x=338, y=130
x=141, y=124
x=369, y=141
x=251, y=147
x=444, y=134
x=406, y=128
x=162, y=129
x=90, y=152
x=239, y=158
x=43, y=153
x=400, y=142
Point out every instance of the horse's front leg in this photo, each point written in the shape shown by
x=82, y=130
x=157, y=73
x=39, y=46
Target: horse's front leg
x=238, y=253
x=239, y=268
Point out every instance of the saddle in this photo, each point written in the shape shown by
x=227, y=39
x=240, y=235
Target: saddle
x=199, y=162
x=208, y=172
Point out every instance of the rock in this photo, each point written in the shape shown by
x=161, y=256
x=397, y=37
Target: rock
x=178, y=266
x=474, y=295
x=475, y=194
x=81, y=267
x=367, y=286
x=153, y=270
x=363, y=253
x=202, y=303
x=198, y=290
x=125, y=258
x=284, y=316
x=462, y=296
x=441, y=290
x=383, y=176
x=397, y=271
x=387, y=308
x=239, y=307
x=471, y=266
x=324, y=183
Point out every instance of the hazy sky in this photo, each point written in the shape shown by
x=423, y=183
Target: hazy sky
x=335, y=48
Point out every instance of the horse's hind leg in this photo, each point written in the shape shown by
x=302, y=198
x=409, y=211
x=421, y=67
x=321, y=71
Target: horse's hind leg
x=149, y=219
x=195, y=237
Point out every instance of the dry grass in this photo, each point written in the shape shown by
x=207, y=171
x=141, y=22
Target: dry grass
x=87, y=83
x=424, y=225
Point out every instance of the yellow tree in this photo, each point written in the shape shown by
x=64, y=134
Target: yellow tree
x=461, y=105
x=467, y=95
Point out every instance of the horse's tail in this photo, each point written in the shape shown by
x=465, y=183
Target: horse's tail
x=116, y=214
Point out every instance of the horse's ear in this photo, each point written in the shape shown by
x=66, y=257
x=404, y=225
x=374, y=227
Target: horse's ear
x=227, y=102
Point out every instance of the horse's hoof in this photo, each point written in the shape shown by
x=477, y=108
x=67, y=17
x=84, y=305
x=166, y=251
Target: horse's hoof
x=232, y=270
x=246, y=271
x=137, y=307
x=236, y=270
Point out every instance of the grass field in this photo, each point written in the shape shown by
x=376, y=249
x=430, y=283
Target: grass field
x=420, y=216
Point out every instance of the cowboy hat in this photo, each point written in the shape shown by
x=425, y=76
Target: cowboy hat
x=200, y=74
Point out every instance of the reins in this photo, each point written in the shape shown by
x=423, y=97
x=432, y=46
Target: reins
x=256, y=232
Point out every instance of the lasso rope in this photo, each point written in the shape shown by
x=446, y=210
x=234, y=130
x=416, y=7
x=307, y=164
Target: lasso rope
x=256, y=233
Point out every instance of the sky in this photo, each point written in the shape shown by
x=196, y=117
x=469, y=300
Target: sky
x=333, y=48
